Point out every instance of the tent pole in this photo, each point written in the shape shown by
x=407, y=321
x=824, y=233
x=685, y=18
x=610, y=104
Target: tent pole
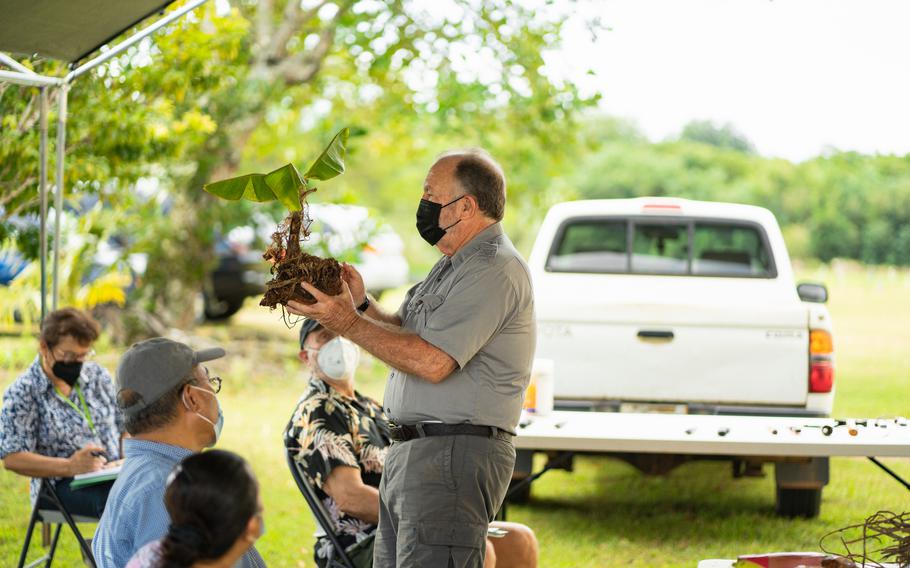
x=58, y=198
x=9, y=61
x=27, y=79
x=42, y=188
x=133, y=39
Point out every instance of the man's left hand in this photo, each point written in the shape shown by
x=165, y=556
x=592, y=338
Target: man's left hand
x=336, y=313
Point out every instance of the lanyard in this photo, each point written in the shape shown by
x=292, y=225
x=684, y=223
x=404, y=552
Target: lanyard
x=83, y=411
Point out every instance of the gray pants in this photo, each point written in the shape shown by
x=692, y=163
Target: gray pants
x=437, y=497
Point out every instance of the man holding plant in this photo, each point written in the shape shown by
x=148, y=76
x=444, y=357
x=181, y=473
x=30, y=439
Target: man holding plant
x=460, y=347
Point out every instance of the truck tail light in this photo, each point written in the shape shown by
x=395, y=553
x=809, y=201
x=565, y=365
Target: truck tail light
x=821, y=376
x=820, y=342
x=821, y=361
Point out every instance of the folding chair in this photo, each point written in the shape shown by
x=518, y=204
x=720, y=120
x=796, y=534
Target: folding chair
x=56, y=517
x=338, y=557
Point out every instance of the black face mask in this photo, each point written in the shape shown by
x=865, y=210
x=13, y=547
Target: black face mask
x=68, y=372
x=428, y=220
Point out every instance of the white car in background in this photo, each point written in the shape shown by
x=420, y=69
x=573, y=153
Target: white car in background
x=376, y=250
x=347, y=233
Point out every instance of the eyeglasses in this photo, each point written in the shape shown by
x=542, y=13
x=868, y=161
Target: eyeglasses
x=216, y=384
x=70, y=357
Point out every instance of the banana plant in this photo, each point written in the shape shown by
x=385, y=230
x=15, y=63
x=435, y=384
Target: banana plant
x=290, y=265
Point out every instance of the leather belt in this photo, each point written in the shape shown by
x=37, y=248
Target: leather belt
x=405, y=432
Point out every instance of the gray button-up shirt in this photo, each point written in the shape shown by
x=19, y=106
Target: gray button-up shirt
x=478, y=307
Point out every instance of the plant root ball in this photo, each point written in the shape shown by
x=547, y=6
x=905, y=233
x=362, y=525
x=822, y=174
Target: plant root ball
x=323, y=273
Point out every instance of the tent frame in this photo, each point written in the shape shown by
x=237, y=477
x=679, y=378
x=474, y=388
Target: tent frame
x=22, y=75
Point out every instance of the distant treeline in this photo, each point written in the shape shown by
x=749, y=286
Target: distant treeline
x=841, y=204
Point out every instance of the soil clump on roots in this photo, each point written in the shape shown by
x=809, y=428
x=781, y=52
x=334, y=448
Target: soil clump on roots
x=290, y=265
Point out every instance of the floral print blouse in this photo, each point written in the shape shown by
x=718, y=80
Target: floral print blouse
x=35, y=417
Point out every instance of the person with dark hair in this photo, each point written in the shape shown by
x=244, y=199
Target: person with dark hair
x=169, y=400
x=460, y=349
x=207, y=527
x=343, y=437
x=60, y=417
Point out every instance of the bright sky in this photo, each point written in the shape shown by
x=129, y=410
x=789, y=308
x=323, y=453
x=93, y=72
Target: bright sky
x=794, y=76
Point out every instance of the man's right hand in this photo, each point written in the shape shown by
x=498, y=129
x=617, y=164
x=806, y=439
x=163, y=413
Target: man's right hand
x=85, y=460
x=355, y=283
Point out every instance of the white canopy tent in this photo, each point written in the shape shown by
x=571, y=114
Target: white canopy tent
x=68, y=31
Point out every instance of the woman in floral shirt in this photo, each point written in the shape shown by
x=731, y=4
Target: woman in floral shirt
x=60, y=417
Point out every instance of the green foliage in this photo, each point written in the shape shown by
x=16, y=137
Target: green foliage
x=842, y=205
x=722, y=136
x=82, y=283
x=259, y=84
x=221, y=91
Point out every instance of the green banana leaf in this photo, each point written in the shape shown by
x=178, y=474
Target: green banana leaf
x=282, y=185
x=285, y=183
x=331, y=162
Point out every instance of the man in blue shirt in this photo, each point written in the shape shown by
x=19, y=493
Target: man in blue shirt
x=169, y=403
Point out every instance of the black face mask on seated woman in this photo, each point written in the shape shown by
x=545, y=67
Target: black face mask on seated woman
x=67, y=372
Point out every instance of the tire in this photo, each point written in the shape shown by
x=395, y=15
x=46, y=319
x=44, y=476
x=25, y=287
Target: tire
x=799, y=502
x=521, y=496
x=215, y=309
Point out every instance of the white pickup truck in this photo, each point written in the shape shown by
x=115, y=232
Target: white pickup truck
x=671, y=305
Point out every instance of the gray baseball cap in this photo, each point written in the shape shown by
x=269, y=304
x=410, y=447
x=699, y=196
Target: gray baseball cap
x=153, y=367
x=309, y=325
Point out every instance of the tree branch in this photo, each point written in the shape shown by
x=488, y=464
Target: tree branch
x=32, y=112
x=302, y=67
x=263, y=27
x=12, y=195
x=292, y=22
x=25, y=121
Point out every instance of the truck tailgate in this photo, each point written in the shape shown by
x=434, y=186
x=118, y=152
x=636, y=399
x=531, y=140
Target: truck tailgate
x=708, y=341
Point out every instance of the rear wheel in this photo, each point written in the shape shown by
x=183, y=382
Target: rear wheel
x=799, y=502
x=521, y=496
x=216, y=309
x=799, y=483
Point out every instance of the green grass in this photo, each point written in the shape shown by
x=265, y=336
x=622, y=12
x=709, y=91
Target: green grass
x=603, y=513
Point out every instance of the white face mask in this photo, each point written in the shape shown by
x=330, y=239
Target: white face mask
x=338, y=359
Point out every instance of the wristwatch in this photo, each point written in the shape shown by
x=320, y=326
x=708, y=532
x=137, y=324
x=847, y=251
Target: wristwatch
x=365, y=305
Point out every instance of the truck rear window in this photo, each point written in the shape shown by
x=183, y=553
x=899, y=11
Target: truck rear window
x=659, y=246
x=592, y=246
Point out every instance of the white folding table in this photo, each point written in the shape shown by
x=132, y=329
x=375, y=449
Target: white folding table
x=566, y=433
